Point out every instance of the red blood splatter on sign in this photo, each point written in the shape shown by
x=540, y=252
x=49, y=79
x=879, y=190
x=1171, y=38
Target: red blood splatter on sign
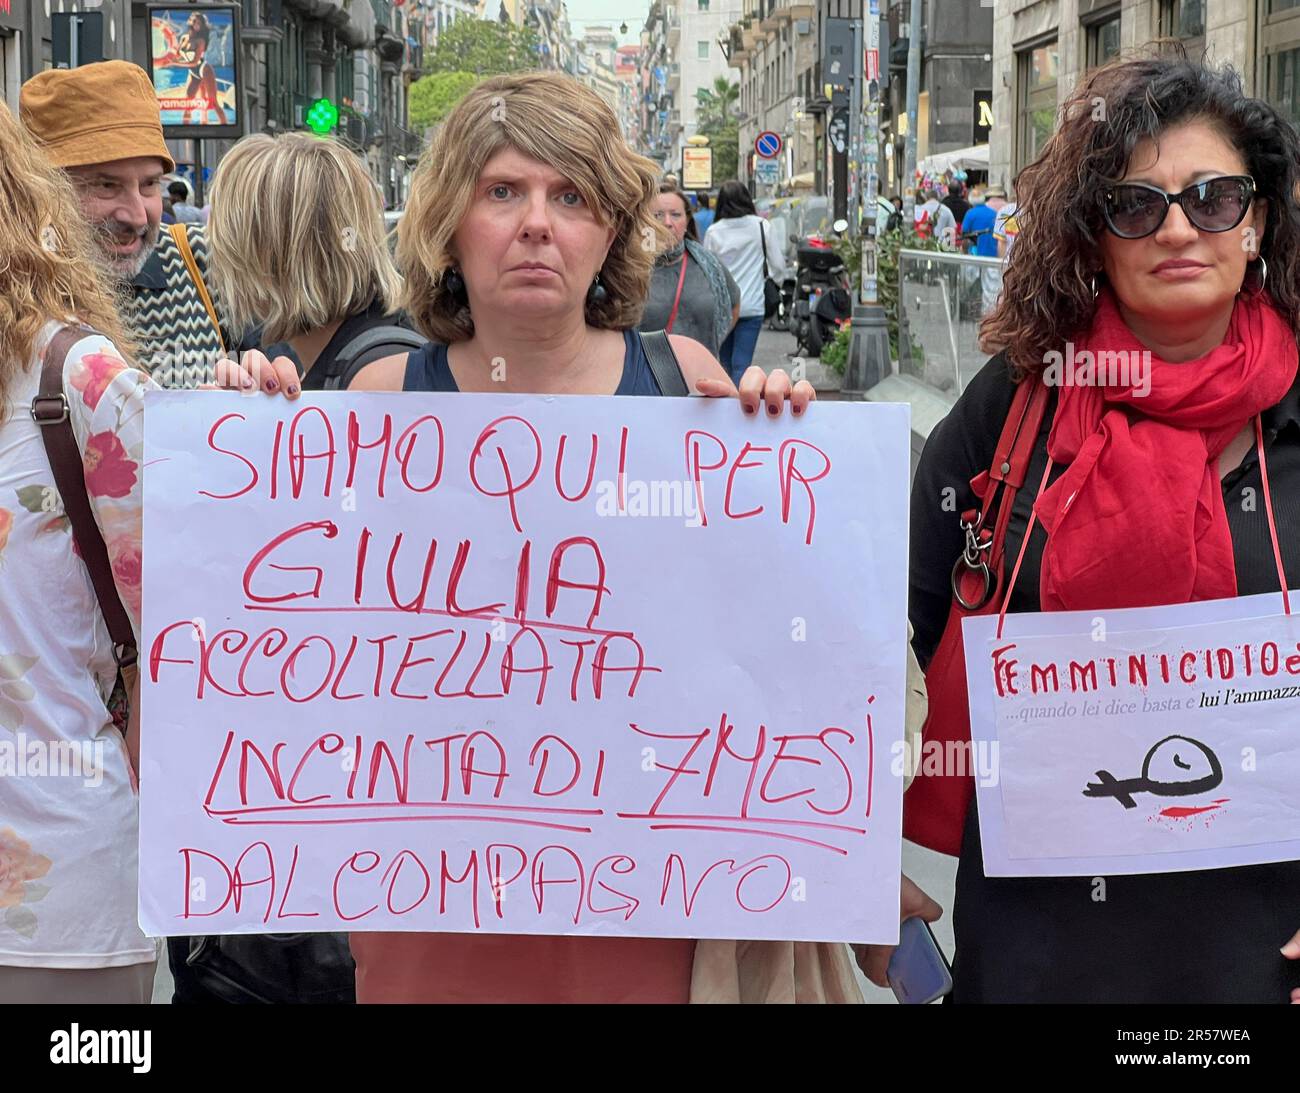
x=1181, y=812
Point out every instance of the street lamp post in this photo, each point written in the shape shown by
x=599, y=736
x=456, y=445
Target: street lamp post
x=868, y=361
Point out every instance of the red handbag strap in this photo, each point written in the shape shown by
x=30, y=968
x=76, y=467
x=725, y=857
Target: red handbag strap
x=50, y=412
x=983, y=553
x=681, y=280
x=1014, y=451
x=1016, y=444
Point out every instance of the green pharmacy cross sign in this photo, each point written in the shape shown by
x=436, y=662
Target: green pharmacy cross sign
x=322, y=117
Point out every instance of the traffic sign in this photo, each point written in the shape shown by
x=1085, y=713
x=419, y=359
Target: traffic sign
x=767, y=172
x=768, y=144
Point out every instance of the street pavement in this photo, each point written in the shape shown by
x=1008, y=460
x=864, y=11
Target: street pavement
x=935, y=873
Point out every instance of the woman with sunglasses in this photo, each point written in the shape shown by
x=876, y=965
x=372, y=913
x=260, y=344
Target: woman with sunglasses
x=1167, y=232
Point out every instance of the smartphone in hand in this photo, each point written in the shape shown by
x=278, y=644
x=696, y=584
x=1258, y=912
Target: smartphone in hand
x=918, y=971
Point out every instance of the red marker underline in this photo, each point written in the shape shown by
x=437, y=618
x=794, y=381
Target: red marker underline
x=535, y=624
x=749, y=831
x=739, y=819
x=237, y=820
x=305, y=806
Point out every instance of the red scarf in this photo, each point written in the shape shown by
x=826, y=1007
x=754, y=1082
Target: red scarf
x=1137, y=519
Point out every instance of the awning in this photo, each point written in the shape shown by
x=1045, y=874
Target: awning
x=802, y=182
x=975, y=158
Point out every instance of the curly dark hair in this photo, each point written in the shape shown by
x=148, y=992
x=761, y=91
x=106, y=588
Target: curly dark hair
x=1047, y=294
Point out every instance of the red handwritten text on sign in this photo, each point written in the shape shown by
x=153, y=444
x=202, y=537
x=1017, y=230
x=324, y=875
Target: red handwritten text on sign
x=448, y=667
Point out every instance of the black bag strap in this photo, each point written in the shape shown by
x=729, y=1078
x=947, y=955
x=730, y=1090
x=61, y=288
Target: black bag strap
x=50, y=412
x=663, y=363
x=762, y=234
x=367, y=347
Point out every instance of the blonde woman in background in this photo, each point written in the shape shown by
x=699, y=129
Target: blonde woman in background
x=68, y=929
x=299, y=253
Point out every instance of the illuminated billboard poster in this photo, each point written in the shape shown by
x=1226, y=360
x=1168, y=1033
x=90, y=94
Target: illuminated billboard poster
x=697, y=168
x=193, y=60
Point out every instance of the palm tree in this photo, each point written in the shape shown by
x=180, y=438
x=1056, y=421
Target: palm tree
x=717, y=105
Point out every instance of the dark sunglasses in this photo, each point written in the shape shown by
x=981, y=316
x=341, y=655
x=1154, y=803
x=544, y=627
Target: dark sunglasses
x=1134, y=210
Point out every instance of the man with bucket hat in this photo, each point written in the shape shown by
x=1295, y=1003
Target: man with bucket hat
x=100, y=123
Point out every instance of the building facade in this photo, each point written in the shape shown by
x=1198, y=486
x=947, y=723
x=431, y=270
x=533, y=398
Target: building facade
x=437, y=15
x=627, y=72
x=957, y=75
x=1042, y=47
x=361, y=54
x=657, y=101
x=774, y=45
x=681, y=54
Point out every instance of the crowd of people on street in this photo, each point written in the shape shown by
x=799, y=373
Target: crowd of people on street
x=525, y=239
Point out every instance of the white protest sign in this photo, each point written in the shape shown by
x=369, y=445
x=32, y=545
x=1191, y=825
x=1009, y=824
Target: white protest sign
x=1146, y=740
x=522, y=665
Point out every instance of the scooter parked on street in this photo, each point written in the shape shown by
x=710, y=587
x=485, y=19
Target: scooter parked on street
x=823, y=292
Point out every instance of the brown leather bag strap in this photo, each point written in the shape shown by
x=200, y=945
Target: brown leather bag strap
x=181, y=237
x=50, y=412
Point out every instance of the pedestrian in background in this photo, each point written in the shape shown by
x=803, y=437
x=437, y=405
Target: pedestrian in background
x=896, y=217
x=300, y=252
x=932, y=219
x=956, y=201
x=703, y=216
x=751, y=254
x=978, y=229
x=185, y=211
x=68, y=845
x=117, y=171
x=691, y=292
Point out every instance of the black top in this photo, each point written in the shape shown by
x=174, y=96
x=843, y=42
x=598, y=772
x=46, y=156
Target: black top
x=959, y=207
x=373, y=316
x=314, y=379
x=427, y=369
x=1205, y=936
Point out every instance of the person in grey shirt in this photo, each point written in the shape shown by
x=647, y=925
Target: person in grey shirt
x=699, y=298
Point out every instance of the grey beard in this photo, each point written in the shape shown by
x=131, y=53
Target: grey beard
x=124, y=270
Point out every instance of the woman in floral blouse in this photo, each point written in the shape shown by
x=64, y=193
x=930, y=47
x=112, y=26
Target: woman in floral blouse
x=68, y=928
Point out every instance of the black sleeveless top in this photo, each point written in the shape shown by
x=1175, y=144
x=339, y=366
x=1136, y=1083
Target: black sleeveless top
x=427, y=369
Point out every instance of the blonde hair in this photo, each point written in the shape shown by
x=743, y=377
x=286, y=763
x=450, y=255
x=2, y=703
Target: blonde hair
x=48, y=256
x=555, y=120
x=297, y=236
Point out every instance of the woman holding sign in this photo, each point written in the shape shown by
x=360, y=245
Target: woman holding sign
x=1160, y=234
x=528, y=246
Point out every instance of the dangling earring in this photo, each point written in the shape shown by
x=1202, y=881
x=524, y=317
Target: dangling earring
x=1263, y=277
x=597, y=294
x=1095, y=288
x=455, y=285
